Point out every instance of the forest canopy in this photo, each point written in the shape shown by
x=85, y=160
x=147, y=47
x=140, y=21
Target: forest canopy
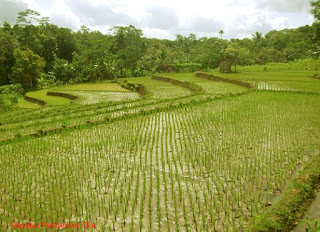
x=35, y=52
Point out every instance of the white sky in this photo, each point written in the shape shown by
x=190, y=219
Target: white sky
x=167, y=18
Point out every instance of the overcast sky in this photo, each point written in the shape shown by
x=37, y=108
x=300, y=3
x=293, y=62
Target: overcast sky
x=167, y=18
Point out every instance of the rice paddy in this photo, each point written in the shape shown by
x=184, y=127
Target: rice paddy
x=170, y=161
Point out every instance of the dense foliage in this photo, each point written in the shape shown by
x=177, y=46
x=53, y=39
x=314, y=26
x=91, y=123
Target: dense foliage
x=36, y=52
x=9, y=95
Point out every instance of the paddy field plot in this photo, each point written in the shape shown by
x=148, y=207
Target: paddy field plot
x=209, y=87
x=160, y=90
x=299, y=81
x=100, y=86
x=87, y=93
x=22, y=103
x=170, y=161
x=50, y=100
x=205, y=167
x=93, y=97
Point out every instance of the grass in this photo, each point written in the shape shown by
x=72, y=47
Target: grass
x=50, y=100
x=209, y=87
x=93, y=97
x=160, y=89
x=26, y=104
x=301, y=81
x=293, y=201
x=101, y=86
x=304, y=65
x=89, y=93
x=269, y=75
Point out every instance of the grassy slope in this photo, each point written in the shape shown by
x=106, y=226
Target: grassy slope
x=210, y=87
x=93, y=97
x=50, y=100
x=277, y=80
x=102, y=86
x=269, y=75
x=26, y=104
x=88, y=93
x=159, y=89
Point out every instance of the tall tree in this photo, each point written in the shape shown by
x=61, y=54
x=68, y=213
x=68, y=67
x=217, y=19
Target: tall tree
x=128, y=46
x=27, y=68
x=31, y=17
x=315, y=4
x=8, y=43
x=315, y=52
x=221, y=32
x=66, y=43
x=257, y=36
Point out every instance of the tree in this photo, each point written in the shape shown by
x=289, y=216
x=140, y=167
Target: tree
x=31, y=17
x=231, y=54
x=62, y=70
x=6, y=26
x=257, y=36
x=27, y=68
x=66, y=43
x=221, y=32
x=315, y=52
x=128, y=46
x=316, y=9
x=8, y=43
x=154, y=57
x=210, y=52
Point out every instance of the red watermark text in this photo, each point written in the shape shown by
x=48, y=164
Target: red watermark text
x=55, y=225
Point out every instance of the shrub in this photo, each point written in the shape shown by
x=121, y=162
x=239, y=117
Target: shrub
x=12, y=89
x=188, y=67
x=131, y=86
x=9, y=95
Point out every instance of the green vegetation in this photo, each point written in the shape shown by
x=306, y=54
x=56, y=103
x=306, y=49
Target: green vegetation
x=93, y=97
x=160, y=90
x=88, y=93
x=128, y=85
x=157, y=151
x=50, y=100
x=294, y=76
x=26, y=104
x=198, y=165
x=9, y=95
x=42, y=54
x=208, y=86
x=103, y=86
x=211, y=160
x=28, y=67
x=300, y=190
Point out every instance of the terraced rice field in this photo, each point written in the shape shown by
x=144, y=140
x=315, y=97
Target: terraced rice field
x=170, y=161
x=208, y=86
x=89, y=97
x=99, y=86
x=50, y=100
x=87, y=93
x=300, y=81
x=160, y=90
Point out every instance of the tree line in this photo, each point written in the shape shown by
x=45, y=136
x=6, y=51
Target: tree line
x=36, y=52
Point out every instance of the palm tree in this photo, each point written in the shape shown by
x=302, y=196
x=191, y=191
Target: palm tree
x=257, y=36
x=221, y=32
